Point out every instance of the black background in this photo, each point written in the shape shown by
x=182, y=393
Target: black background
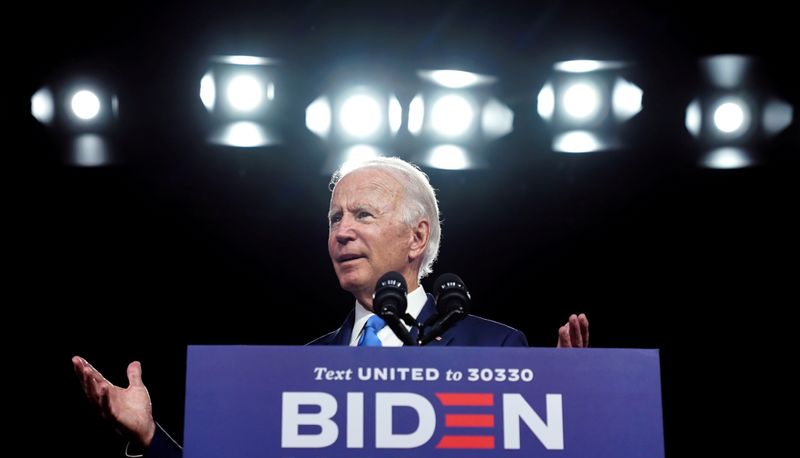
x=183, y=242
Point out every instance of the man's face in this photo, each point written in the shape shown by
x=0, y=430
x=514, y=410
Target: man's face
x=367, y=237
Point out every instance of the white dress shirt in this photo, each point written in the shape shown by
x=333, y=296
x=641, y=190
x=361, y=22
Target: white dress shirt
x=416, y=300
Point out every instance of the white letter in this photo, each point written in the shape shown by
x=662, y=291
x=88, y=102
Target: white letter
x=319, y=371
x=432, y=373
x=385, y=438
x=292, y=419
x=364, y=373
x=551, y=434
x=355, y=420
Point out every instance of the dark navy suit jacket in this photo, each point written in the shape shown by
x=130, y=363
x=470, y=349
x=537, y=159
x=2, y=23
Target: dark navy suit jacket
x=471, y=331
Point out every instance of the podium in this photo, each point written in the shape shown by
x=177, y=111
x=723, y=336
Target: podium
x=286, y=401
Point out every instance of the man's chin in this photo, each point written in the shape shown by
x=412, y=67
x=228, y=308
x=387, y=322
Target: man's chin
x=352, y=283
x=356, y=284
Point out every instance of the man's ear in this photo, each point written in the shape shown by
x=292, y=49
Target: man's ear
x=420, y=235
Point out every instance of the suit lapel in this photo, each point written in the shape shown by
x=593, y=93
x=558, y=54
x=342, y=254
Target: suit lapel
x=428, y=310
x=345, y=332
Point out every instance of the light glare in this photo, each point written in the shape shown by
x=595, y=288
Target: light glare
x=395, y=114
x=208, y=91
x=586, y=65
x=361, y=116
x=730, y=117
x=777, y=116
x=244, y=134
x=626, y=99
x=546, y=102
x=694, y=117
x=497, y=119
x=581, y=101
x=318, y=117
x=245, y=93
x=90, y=150
x=448, y=157
x=727, y=71
x=455, y=79
x=85, y=105
x=416, y=114
x=451, y=115
x=43, y=106
x=727, y=158
x=577, y=141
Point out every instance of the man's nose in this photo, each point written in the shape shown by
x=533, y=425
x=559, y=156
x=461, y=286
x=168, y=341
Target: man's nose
x=344, y=230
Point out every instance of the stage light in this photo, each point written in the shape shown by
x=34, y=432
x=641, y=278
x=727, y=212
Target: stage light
x=626, y=100
x=318, y=117
x=356, y=118
x=546, y=102
x=455, y=79
x=361, y=116
x=453, y=116
x=43, y=106
x=85, y=104
x=777, y=116
x=577, y=141
x=82, y=113
x=585, y=102
x=587, y=65
x=581, y=100
x=208, y=91
x=734, y=115
x=731, y=117
x=245, y=92
x=355, y=115
x=448, y=157
x=239, y=93
x=368, y=115
x=727, y=158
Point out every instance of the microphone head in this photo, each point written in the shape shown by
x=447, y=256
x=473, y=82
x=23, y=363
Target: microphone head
x=390, y=295
x=451, y=294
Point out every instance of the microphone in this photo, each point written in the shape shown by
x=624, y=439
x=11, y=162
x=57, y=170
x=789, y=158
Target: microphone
x=452, y=304
x=389, y=303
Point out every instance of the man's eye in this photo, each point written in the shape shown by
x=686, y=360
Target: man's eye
x=363, y=214
x=336, y=218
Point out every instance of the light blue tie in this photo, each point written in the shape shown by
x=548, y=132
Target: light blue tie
x=369, y=338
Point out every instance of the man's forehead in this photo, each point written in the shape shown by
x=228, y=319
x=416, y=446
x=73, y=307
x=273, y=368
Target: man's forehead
x=364, y=185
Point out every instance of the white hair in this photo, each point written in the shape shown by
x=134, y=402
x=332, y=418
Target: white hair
x=420, y=199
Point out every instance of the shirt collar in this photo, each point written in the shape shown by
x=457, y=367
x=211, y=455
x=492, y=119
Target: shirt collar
x=416, y=300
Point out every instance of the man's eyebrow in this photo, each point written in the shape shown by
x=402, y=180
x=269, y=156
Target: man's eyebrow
x=355, y=207
x=363, y=206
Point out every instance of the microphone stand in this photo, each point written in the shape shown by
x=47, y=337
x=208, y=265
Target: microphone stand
x=394, y=323
x=439, y=326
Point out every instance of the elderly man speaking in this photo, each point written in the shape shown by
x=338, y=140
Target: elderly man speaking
x=383, y=217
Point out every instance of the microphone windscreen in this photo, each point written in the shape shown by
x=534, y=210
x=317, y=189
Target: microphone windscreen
x=451, y=293
x=390, y=295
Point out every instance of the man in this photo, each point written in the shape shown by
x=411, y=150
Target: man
x=383, y=217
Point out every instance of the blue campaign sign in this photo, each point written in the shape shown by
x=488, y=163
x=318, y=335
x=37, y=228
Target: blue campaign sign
x=277, y=401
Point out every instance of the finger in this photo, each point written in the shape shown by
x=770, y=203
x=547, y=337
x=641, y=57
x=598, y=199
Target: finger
x=135, y=374
x=78, y=367
x=77, y=364
x=563, y=337
x=97, y=388
x=584, y=322
x=87, y=378
x=575, y=332
x=89, y=371
x=104, y=402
